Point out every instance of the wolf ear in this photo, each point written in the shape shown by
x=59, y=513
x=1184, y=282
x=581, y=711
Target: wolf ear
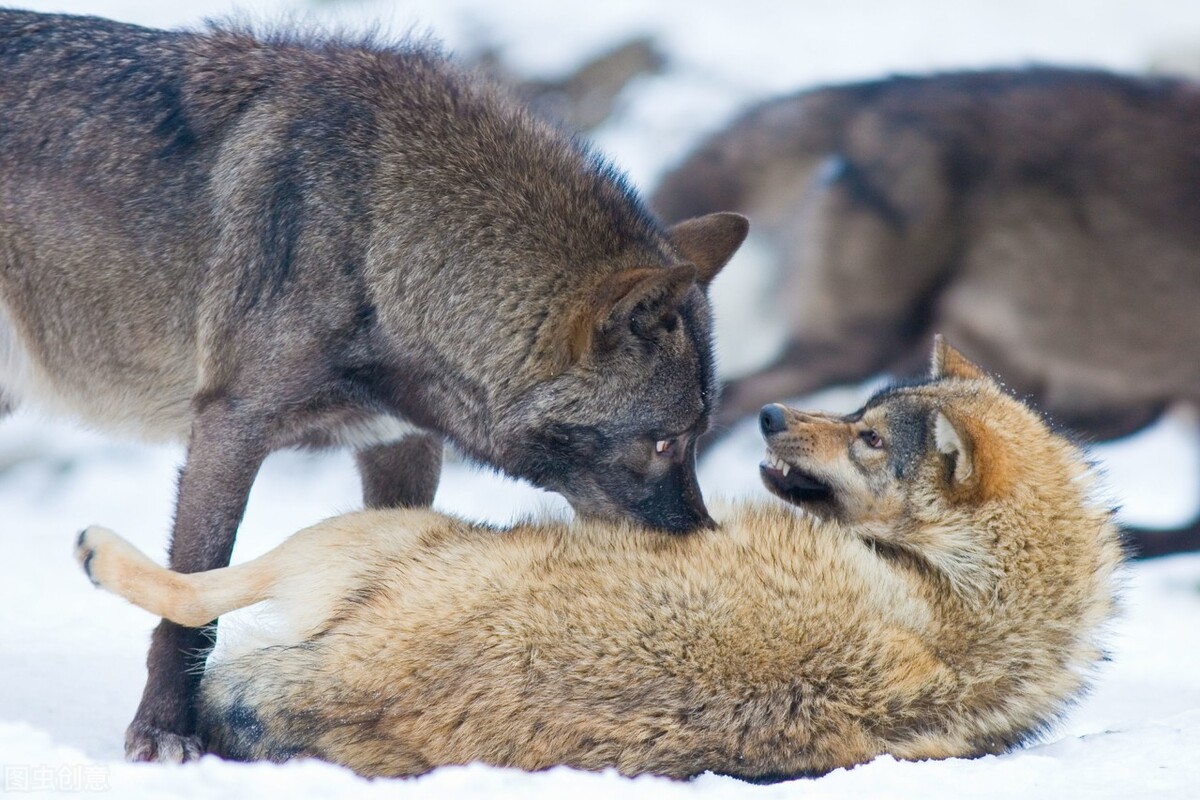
x=710, y=241
x=635, y=300
x=643, y=300
x=951, y=442
x=946, y=362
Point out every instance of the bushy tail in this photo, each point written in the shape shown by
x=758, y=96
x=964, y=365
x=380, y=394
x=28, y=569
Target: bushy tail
x=722, y=173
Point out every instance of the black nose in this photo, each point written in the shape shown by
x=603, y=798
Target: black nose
x=771, y=419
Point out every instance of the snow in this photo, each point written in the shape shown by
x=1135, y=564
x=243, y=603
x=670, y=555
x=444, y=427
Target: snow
x=71, y=666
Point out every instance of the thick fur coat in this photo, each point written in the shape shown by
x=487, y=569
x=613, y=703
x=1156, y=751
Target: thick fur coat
x=941, y=590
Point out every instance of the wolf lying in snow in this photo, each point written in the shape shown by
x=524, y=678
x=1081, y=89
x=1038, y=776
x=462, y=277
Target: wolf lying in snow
x=937, y=591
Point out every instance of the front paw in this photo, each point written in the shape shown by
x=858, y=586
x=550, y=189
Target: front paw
x=147, y=743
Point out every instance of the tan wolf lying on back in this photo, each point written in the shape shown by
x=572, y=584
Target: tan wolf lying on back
x=942, y=597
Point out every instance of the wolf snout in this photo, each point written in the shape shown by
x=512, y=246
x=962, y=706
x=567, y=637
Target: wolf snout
x=772, y=419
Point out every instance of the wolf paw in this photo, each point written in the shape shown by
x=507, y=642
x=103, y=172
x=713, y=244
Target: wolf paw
x=144, y=742
x=93, y=551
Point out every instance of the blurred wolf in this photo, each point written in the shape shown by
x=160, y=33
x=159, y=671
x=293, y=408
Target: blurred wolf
x=254, y=243
x=939, y=593
x=1047, y=220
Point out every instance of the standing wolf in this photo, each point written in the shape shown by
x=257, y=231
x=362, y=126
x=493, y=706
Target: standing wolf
x=1048, y=220
x=253, y=243
x=943, y=596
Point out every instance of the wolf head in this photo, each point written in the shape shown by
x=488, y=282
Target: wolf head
x=614, y=429
x=987, y=528
x=917, y=458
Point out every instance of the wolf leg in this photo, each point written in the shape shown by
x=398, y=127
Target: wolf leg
x=226, y=448
x=1152, y=543
x=867, y=251
x=1149, y=543
x=401, y=474
x=192, y=599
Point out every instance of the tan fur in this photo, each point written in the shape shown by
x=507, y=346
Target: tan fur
x=904, y=612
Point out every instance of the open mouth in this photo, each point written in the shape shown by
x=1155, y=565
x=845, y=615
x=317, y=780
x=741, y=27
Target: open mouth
x=793, y=485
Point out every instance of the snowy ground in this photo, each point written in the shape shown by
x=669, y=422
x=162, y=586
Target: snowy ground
x=71, y=662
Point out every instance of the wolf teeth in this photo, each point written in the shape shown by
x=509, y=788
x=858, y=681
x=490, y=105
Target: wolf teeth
x=775, y=462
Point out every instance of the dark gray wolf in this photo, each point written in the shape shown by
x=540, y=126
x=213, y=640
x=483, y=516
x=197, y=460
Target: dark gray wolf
x=942, y=596
x=1048, y=220
x=254, y=243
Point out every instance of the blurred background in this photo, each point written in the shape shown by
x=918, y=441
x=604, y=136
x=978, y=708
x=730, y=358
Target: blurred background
x=714, y=58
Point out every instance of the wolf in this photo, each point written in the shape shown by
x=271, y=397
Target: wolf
x=248, y=242
x=586, y=98
x=936, y=584
x=1044, y=219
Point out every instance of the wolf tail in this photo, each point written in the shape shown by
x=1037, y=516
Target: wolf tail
x=786, y=135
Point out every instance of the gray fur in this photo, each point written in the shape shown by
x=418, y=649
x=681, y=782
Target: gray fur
x=250, y=243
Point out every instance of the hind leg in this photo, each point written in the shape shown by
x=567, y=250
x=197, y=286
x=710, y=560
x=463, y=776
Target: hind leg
x=192, y=599
x=401, y=474
x=307, y=577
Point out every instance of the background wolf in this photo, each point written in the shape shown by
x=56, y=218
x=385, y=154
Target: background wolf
x=256, y=243
x=942, y=596
x=1045, y=219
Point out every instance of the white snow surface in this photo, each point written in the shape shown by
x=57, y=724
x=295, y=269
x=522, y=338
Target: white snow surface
x=71, y=662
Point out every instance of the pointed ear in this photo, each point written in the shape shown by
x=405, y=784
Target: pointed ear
x=642, y=300
x=946, y=362
x=635, y=301
x=710, y=241
x=952, y=442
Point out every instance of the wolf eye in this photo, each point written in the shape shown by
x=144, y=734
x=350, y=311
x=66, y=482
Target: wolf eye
x=872, y=439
